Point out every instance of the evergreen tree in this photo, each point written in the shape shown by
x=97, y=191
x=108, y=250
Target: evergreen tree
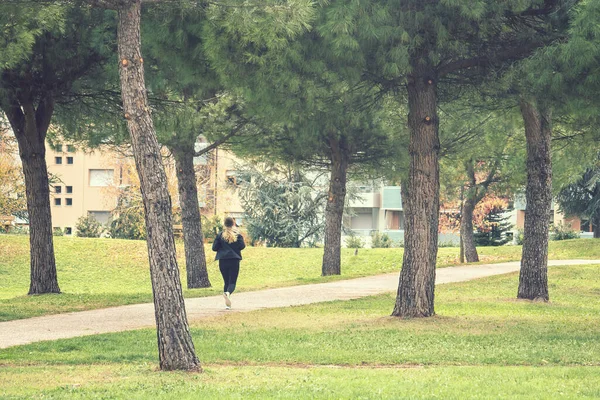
x=181, y=77
x=175, y=347
x=282, y=206
x=312, y=94
x=582, y=199
x=481, y=153
x=43, y=55
x=496, y=224
x=430, y=48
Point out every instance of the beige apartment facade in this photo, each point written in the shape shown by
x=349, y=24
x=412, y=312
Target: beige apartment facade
x=79, y=184
x=87, y=183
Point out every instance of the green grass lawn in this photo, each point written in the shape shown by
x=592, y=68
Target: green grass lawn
x=483, y=343
x=97, y=273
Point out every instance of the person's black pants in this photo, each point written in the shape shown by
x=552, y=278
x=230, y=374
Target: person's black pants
x=230, y=269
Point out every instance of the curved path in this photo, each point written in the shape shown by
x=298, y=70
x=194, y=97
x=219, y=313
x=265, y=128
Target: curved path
x=123, y=318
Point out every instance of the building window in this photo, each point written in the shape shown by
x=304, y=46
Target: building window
x=58, y=189
x=394, y=220
x=230, y=176
x=70, y=148
x=69, y=160
x=58, y=160
x=69, y=189
x=57, y=202
x=101, y=177
x=101, y=216
x=57, y=147
x=233, y=178
x=69, y=202
x=68, y=230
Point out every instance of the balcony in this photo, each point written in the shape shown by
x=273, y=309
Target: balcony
x=366, y=200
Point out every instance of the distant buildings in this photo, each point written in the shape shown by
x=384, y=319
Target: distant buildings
x=87, y=183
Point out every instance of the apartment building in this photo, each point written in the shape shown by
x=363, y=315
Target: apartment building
x=80, y=183
x=556, y=217
x=377, y=208
x=87, y=183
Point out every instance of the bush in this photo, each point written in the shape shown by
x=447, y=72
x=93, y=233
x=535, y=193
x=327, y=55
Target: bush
x=448, y=243
x=563, y=232
x=15, y=230
x=211, y=227
x=128, y=225
x=520, y=236
x=354, y=242
x=381, y=241
x=88, y=227
x=56, y=231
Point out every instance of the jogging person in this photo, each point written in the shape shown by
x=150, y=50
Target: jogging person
x=229, y=245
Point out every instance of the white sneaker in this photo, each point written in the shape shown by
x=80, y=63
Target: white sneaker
x=227, y=299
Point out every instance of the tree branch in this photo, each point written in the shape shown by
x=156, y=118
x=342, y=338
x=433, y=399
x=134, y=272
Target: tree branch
x=488, y=59
x=219, y=142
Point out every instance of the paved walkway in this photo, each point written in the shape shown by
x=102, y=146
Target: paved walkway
x=123, y=318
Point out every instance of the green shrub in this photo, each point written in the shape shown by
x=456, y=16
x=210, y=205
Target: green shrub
x=520, y=236
x=448, y=243
x=563, y=232
x=128, y=225
x=381, y=240
x=211, y=226
x=354, y=242
x=15, y=230
x=56, y=231
x=88, y=227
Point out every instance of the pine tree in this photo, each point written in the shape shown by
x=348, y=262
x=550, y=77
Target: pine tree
x=282, y=207
x=313, y=97
x=496, y=223
x=430, y=48
x=43, y=57
x=175, y=346
x=582, y=199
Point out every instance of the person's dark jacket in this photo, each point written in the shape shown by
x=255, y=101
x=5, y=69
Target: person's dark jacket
x=228, y=250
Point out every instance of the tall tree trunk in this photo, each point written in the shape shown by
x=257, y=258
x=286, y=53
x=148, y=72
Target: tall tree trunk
x=175, y=347
x=466, y=231
x=334, y=210
x=595, y=222
x=533, y=279
x=417, y=277
x=195, y=259
x=30, y=126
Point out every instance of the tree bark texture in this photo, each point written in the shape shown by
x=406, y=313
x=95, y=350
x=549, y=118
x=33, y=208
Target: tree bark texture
x=533, y=278
x=334, y=210
x=466, y=231
x=596, y=225
x=175, y=347
x=421, y=205
x=195, y=258
x=30, y=126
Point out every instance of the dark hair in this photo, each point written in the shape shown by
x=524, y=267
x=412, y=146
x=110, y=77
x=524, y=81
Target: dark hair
x=229, y=222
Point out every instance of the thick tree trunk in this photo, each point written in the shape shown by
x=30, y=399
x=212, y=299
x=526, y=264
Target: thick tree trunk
x=30, y=126
x=596, y=225
x=417, y=277
x=175, y=346
x=533, y=279
x=466, y=231
x=334, y=210
x=195, y=259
